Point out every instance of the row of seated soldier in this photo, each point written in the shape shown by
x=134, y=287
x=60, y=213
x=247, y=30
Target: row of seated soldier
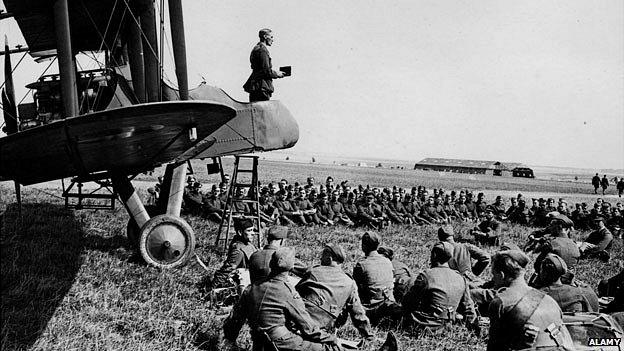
x=376, y=208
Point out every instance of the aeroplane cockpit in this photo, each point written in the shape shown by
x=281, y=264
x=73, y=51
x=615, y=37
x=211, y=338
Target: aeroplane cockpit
x=98, y=90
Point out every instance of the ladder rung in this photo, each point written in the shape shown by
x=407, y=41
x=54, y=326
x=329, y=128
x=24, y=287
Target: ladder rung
x=245, y=216
x=243, y=185
x=246, y=201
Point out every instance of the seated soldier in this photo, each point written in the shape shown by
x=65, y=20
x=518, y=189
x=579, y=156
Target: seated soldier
x=463, y=256
x=238, y=204
x=597, y=242
x=351, y=208
x=288, y=213
x=259, y=268
x=520, y=214
x=569, y=298
x=323, y=210
x=213, y=206
x=522, y=317
x=430, y=212
x=489, y=230
x=370, y=214
x=276, y=314
x=239, y=253
x=499, y=209
x=337, y=207
x=268, y=213
x=555, y=239
x=403, y=276
x=192, y=198
x=439, y=294
x=330, y=295
x=306, y=208
x=397, y=207
x=512, y=207
x=375, y=280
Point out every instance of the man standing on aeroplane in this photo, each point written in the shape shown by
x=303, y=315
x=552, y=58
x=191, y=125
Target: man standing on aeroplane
x=259, y=85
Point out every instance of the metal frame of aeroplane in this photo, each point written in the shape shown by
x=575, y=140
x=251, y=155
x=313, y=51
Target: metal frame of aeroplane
x=222, y=126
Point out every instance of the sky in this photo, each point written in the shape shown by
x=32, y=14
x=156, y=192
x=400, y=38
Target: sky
x=539, y=82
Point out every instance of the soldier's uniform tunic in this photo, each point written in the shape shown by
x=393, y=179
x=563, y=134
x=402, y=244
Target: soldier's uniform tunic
x=269, y=307
x=238, y=256
x=461, y=261
x=573, y=298
x=535, y=321
x=437, y=296
x=330, y=295
x=259, y=268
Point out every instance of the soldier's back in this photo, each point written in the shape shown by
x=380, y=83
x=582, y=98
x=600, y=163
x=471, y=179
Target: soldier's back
x=522, y=318
x=375, y=279
x=572, y=298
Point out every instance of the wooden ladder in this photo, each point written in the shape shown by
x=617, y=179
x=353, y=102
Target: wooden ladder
x=223, y=236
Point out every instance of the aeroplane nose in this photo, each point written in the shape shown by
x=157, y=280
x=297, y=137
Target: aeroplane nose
x=281, y=128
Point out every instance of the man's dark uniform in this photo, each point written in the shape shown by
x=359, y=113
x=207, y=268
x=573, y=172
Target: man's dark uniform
x=276, y=314
x=569, y=298
x=238, y=256
x=602, y=238
x=514, y=304
x=461, y=261
x=492, y=229
x=403, y=276
x=303, y=204
x=287, y=210
x=366, y=213
x=330, y=296
x=259, y=85
x=259, y=262
x=596, y=183
x=437, y=296
x=573, y=298
x=374, y=277
x=522, y=317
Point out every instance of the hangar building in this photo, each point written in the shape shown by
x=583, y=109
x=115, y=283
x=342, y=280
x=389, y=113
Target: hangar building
x=496, y=168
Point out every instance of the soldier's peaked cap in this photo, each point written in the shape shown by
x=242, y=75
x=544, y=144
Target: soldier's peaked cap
x=518, y=256
x=370, y=239
x=277, y=232
x=556, y=216
x=556, y=264
x=336, y=251
x=241, y=224
x=445, y=232
x=599, y=218
x=443, y=251
x=283, y=260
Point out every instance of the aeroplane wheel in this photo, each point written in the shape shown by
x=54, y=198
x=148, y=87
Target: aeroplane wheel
x=166, y=241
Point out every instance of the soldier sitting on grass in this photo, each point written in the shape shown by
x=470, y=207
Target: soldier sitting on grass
x=439, y=295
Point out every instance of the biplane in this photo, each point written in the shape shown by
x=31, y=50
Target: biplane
x=117, y=121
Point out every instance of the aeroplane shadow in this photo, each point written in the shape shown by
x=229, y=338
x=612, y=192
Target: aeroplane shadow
x=40, y=258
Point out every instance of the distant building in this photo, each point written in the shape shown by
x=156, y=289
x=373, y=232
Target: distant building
x=495, y=168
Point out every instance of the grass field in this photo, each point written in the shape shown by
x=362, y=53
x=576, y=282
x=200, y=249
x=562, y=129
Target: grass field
x=69, y=280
